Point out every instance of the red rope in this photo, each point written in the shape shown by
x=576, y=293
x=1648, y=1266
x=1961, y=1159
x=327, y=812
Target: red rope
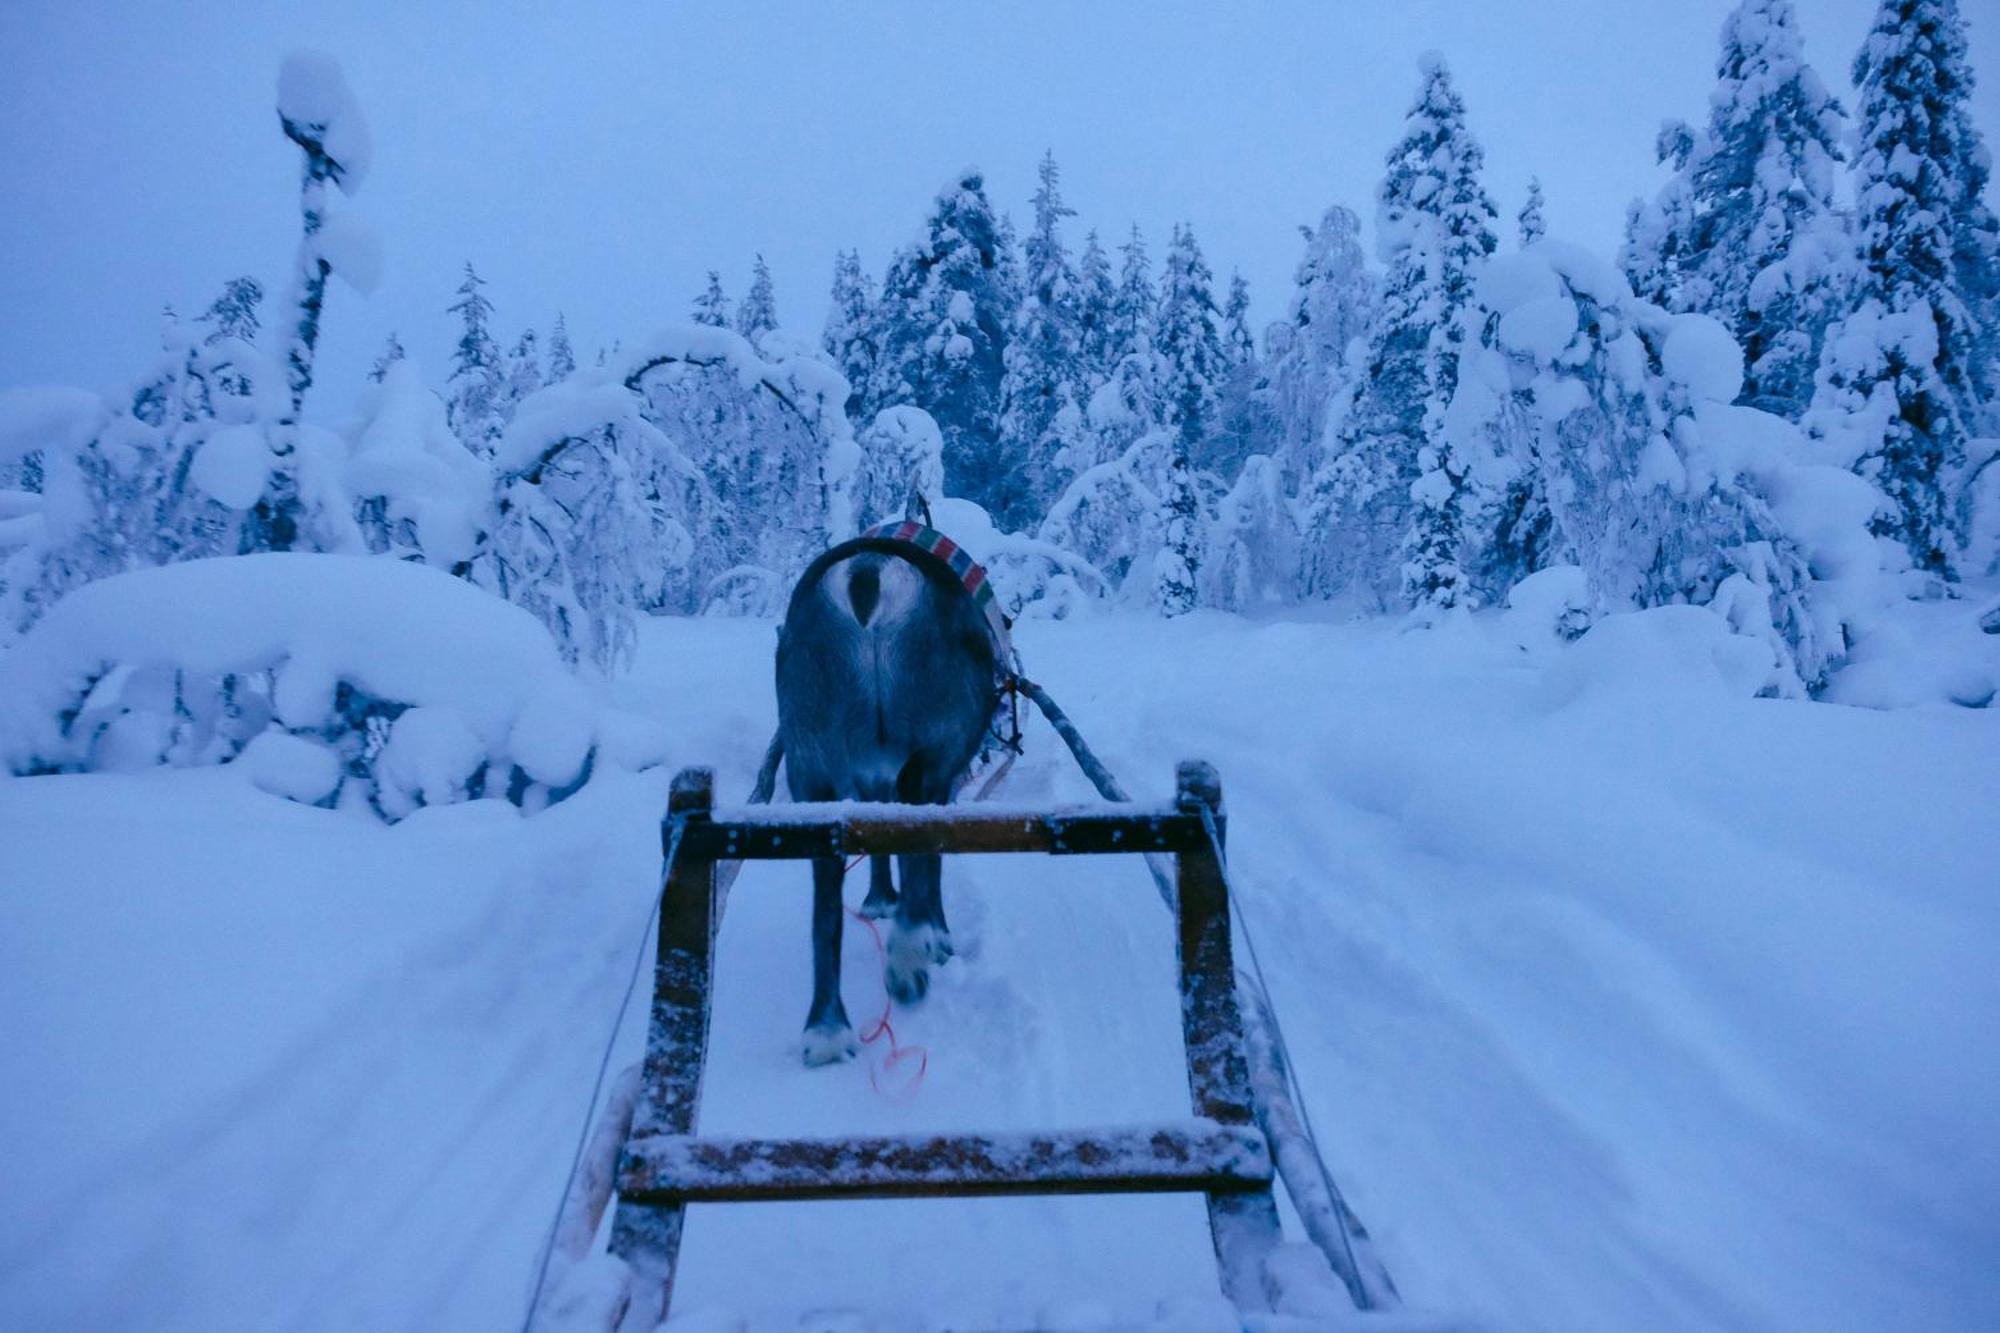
x=881, y=1027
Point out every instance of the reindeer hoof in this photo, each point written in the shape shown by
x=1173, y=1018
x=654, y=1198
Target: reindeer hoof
x=913, y=952
x=829, y=1045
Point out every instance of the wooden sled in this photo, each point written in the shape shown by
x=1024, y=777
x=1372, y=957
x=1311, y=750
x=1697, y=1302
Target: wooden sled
x=1218, y=1151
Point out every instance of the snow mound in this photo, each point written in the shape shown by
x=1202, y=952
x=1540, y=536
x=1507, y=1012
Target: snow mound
x=313, y=670
x=1664, y=653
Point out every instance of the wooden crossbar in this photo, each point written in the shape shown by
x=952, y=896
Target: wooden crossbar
x=798, y=832
x=1188, y=1156
x=1219, y=1152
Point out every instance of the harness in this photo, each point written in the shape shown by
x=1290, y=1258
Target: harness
x=925, y=546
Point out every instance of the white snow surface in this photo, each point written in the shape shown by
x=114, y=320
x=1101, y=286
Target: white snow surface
x=1616, y=1006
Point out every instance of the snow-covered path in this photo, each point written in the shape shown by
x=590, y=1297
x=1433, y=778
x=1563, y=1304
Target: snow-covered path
x=1621, y=1001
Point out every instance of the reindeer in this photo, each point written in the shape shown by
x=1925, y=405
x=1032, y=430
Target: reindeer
x=887, y=679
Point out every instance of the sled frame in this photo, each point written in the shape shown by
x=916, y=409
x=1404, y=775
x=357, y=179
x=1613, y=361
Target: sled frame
x=1219, y=1152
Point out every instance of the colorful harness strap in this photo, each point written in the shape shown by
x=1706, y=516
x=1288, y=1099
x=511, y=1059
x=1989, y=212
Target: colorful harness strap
x=969, y=572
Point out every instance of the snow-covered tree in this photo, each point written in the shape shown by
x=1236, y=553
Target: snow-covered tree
x=941, y=339
x=1434, y=228
x=772, y=458
x=562, y=357
x=234, y=313
x=1746, y=229
x=849, y=335
x=582, y=534
x=418, y=492
x=1110, y=516
x=1616, y=419
x=1133, y=302
x=1040, y=415
x=318, y=114
x=758, y=314
x=1244, y=421
x=1253, y=543
x=392, y=352
x=524, y=370
x=1096, y=296
x=173, y=470
x=1310, y=353
x=477, y=384
x=1188, y=339
x=1177, y=568
x=902, y=467
x=1530, y=224
x=1900, y=385
x=712, y=306
x=232, y=317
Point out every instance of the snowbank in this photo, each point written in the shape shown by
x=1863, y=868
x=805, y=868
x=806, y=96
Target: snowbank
x=427, y=689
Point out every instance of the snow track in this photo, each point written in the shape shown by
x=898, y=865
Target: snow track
x=1619, y=1003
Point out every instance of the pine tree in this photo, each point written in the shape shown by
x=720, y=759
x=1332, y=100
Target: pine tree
x=848, y=338
x=758, y=314
x=1007, y=280
x=712, y=306
x=232, y=316
x=1041, y=415
x=234, y=313
x=1238, y=341
x=1133, y=302
x=1244, y=421
x=1746, y=230
x=1332, y=309
x=1189, y=345
x=1177, y=570
x=524, y=371
x=941, y=331
x=1096, y=295
x=477, y=384
x=562, y=357
x=1529, y=219
x=1902, y=375
x=1434, y=228
x=391, y=354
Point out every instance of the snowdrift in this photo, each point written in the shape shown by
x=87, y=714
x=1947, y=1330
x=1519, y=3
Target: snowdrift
x=326, y=677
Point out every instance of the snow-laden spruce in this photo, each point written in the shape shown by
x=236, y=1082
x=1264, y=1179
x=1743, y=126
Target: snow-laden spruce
x=1746, y=228
x=1375, y=534
x=1041, y=422
x=1313, y=354
x=1909, y=377
x=940, y=339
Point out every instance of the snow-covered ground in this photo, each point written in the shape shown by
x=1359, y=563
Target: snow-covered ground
x=1623, y=1000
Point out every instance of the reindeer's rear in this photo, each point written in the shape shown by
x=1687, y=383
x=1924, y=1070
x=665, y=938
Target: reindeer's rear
x=886, y=682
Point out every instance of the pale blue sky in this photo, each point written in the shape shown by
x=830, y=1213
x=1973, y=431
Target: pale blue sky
x=599, y=159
